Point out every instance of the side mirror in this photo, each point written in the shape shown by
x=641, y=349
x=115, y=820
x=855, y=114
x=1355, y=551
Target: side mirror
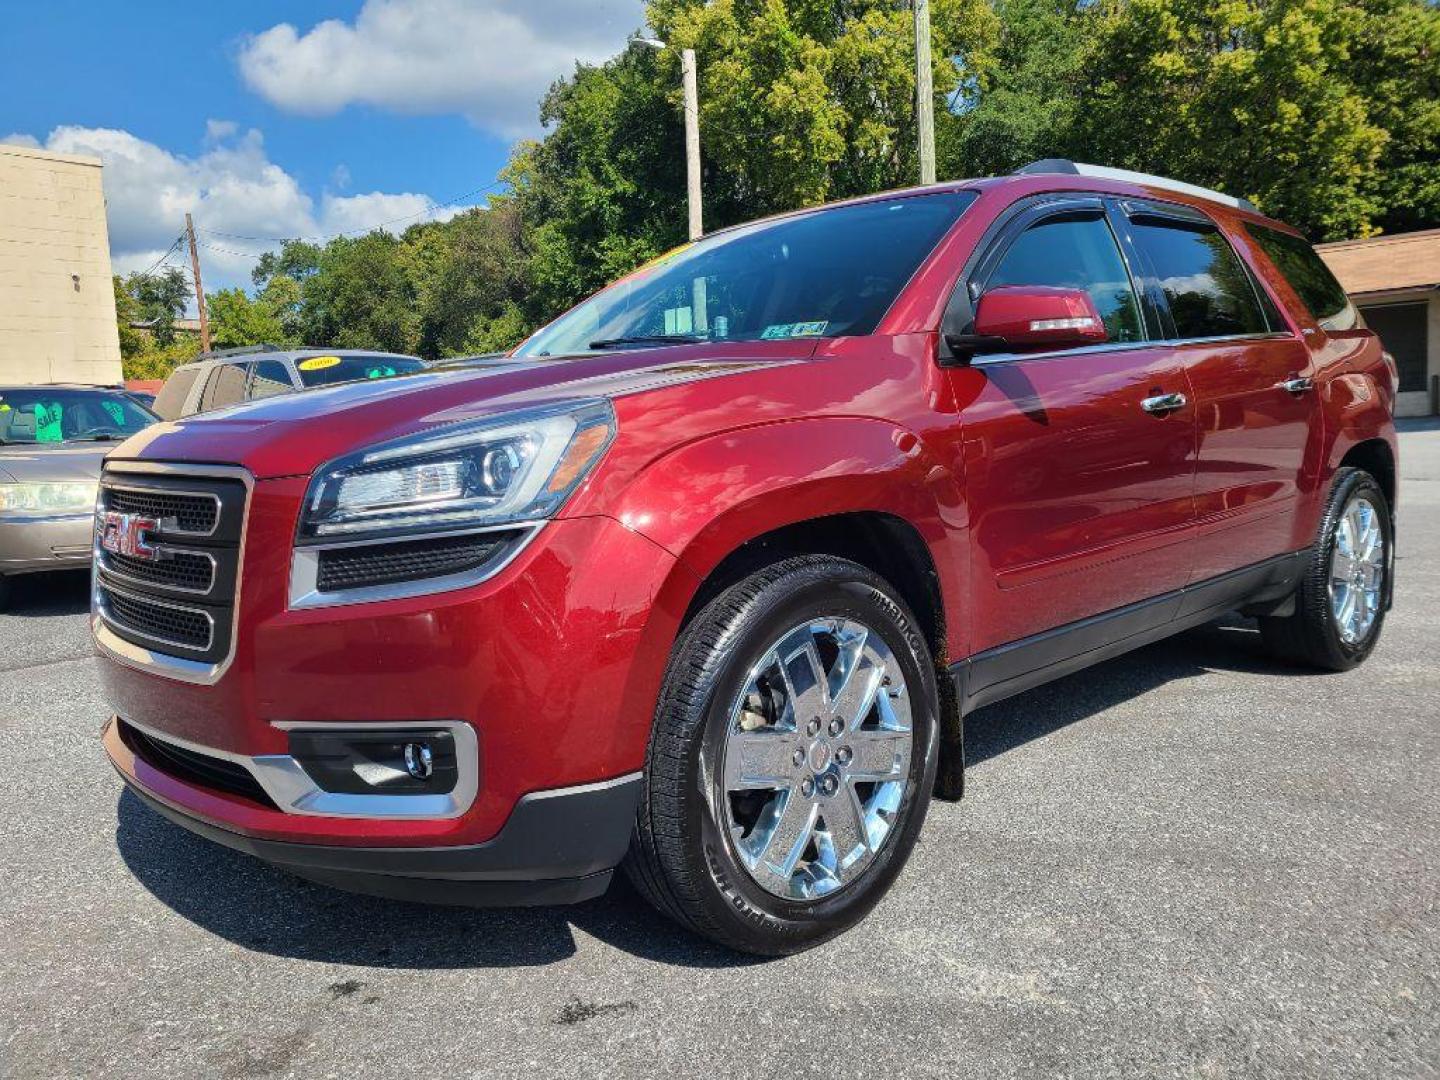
x=1011, y=318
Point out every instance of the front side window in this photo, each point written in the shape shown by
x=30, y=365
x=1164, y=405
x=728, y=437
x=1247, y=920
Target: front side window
x=1206, y=285
x=830, y=273
x=44, y=415
x=1308, y=276
x=1075, y=253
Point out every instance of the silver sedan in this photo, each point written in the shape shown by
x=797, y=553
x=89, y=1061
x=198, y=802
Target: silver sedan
x=52, y=441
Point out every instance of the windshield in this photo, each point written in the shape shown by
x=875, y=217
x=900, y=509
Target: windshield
x=43, y=415
x=830, y=273
x=349, y=367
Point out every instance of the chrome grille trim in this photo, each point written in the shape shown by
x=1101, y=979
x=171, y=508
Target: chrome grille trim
x=181, y=668
x=114, y=619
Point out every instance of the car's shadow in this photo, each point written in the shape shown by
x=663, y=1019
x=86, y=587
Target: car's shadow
x=44, y=595
x=264, y=909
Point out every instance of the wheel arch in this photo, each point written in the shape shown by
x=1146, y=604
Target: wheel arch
x=860, y=489
x=1376, y=457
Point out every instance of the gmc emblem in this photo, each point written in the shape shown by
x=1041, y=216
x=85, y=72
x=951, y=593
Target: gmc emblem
x=128, y=534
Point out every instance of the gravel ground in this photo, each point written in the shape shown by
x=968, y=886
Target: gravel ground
x=1186, y=862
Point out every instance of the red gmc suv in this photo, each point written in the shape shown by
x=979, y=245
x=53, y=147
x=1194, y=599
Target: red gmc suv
x=702, y=579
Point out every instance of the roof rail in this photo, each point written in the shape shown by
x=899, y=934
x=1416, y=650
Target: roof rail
x=243, y=350
x=1067, y=167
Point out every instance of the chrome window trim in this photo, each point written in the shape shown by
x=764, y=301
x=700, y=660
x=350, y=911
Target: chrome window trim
x=1129, y=346
x=219, y=509
x=305, y=570
x=143, y=599
x=291, y=788
x=135, y=656
x=102, y=557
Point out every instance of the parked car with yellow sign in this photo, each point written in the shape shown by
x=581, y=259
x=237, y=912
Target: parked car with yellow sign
x=232, y=376
x=52, y=441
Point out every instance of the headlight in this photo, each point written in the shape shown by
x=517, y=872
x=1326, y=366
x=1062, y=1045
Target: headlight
x=58, y=497
x=517, y=467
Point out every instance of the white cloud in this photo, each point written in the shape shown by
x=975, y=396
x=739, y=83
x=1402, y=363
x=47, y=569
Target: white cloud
x=489, y=60
x=19, y=138
x=240, y=200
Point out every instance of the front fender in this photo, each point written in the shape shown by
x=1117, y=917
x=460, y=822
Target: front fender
x=706, y=499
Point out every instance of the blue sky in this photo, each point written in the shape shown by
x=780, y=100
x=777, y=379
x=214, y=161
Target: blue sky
x=280, y=119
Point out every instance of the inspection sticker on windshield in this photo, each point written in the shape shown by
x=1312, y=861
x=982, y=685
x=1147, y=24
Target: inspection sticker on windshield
x=796, y=329
x=318, y=363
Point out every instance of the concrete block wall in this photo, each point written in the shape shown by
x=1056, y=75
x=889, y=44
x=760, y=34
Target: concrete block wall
x=57, y=304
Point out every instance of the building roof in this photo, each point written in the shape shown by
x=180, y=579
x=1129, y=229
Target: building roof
x=22, y=150
x=1385, y=263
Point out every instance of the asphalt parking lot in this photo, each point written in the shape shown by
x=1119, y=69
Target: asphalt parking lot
x=1190, y=861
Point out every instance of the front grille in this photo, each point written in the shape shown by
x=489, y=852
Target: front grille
x=185, y=570
x=193, y=767
x=369, y=565
x=195, y=513
x=181, y=602
x=160, y=623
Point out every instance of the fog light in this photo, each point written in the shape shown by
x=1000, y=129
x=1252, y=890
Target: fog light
x=419, y=761
x=407, y=761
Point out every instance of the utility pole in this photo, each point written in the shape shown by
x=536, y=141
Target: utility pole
x=692, y=140
x=924, y=92
x=199, y=288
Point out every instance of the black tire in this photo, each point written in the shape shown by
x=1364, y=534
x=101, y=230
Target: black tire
x=1310, y=635
x=682, y=858
x=4, y=593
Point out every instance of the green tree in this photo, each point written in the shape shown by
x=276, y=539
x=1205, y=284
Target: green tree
x=237, y=320
x=1322, y=111
x=1022, y=105
x=160, y=299
x=132, y=342
x=360, y=296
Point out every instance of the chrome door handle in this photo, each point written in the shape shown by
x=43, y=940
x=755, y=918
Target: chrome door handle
x=1164, y=403
x=1298, y=384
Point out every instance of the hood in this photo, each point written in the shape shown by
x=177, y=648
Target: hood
x=294, y=434
x=27, y=464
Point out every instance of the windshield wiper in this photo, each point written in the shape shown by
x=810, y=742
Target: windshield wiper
x=101, y=437
x=647, y=339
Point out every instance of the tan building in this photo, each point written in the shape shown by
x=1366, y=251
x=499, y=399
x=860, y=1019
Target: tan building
x=57, y=303
x=1395, y=282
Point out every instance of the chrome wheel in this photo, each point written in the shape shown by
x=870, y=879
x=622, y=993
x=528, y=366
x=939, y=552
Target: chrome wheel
x=816, y=758
x=1357, y=571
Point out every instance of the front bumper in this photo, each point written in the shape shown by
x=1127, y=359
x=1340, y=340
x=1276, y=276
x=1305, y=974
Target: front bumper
x=556, y=847
x=29, y=544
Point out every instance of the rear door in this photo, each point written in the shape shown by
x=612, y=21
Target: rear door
x=1252, y=379
x=1081, y=499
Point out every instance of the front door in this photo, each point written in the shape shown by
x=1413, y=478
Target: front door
x=1080, y=487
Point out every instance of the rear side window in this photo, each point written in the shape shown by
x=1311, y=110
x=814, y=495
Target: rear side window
x=270, y=379
x=1075, y=253
x=1207, y=286
x=226, y=387
x=1308, y=276
x=170, y=402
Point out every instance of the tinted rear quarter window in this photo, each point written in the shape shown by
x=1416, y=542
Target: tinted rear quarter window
x=1208, y=289
x=1307, y=274
x=170, y=402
